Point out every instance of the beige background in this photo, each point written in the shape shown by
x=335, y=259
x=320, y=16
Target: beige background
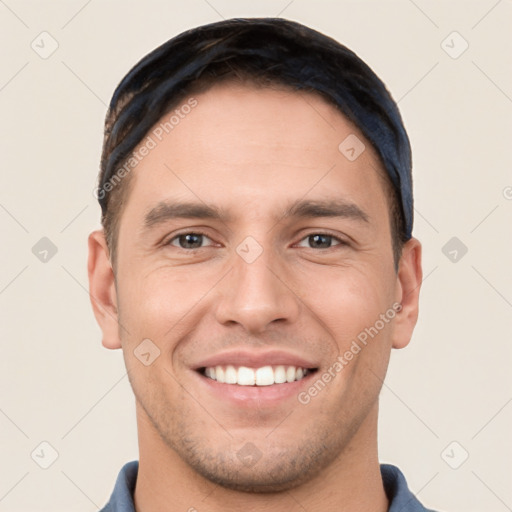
x=453, y=382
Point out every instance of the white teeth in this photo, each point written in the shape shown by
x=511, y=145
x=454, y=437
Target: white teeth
x=219, y=374
x=245, y=376
x=264, y=376
x=279, y=375
x=230, y=375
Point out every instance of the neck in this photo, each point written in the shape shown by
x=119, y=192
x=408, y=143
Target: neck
x=352, y=482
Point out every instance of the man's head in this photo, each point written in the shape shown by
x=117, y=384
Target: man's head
x=265, y=52
x=254, y=241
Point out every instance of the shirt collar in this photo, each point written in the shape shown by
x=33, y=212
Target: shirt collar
x=122, y=496
x=401, y=499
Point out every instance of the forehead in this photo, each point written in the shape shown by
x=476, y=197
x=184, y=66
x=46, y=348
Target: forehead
x=243, y=145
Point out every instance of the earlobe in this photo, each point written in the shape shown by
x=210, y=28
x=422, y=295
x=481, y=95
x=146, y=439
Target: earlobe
x=102, y=292
x=409, y=279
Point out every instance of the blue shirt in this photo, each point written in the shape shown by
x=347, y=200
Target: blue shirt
x=401, y=499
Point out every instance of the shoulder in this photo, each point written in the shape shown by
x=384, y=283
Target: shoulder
x=121, y=499
x=401, y=499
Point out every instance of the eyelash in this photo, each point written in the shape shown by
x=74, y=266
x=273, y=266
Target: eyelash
x=175, y=237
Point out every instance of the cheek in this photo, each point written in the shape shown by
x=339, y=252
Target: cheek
x=349, y=304
x=346, y=300
x=160, y=304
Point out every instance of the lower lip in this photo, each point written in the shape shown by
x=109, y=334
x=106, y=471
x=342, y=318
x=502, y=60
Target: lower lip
x=255, y=395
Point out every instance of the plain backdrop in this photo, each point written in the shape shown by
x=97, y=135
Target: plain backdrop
x=446, y=405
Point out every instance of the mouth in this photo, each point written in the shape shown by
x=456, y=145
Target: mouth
x=254, y=380
x=268, y=375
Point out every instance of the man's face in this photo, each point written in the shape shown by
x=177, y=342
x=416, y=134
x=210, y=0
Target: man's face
x=257, y=288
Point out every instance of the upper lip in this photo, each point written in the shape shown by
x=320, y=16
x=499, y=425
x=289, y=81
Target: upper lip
x=253, y=359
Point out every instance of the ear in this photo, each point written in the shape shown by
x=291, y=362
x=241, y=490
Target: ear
x=102, y=290
x=410, y=275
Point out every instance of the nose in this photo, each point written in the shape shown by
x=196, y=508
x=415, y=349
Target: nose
x=257, y=293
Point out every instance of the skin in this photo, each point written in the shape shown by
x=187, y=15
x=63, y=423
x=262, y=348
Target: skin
x=251, y=151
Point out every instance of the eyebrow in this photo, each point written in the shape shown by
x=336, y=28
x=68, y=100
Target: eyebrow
x=168, y=210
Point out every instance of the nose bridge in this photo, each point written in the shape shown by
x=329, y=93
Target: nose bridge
x=255, y=295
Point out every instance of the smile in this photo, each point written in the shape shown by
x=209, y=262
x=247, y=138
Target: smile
x=263, y=376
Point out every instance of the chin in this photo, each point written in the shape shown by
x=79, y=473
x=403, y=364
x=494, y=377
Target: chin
x=276, y=467
x=261, y=479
